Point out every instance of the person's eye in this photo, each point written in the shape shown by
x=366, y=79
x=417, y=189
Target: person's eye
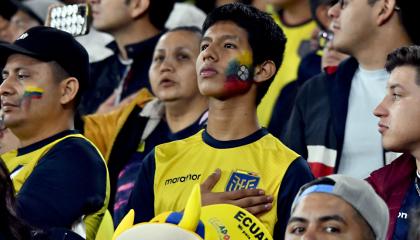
x=396, y=97
x=22, y=76
x=182, y=57
x=229, y=45
x=158, y=58
x=204, y=46
x=331, y=229
x=297, y=230
x=343, y=3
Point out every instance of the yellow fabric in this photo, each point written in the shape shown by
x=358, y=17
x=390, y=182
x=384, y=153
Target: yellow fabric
x=223, y=220
x=102, y=129
x=125, y=224
x=30, y=160
x=288, y=70
x=106, y=228
x=181, y=164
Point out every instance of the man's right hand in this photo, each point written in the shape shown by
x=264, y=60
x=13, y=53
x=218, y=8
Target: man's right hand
x=253, y=200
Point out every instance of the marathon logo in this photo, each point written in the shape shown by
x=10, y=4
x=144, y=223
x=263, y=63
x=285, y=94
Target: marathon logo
x=249, y=228
x=182, y=179
x=242, y=180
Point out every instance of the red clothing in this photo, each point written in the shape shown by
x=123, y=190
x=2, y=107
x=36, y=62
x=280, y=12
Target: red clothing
x=392, y=183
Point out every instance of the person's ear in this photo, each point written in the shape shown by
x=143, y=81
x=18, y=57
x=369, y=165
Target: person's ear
x=69, y=88
x=264, y=71
x=385, y=11
x=138, y=7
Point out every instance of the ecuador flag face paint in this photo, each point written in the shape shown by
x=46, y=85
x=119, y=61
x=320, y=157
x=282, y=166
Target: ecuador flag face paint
x=239, y=73
x=33, y=92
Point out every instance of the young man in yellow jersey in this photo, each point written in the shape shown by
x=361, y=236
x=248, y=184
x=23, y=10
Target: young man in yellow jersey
x=241, y=50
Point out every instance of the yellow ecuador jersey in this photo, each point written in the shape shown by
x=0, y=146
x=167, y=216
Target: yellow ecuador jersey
x=257, y=161
x=61, y=181
x=297, y=47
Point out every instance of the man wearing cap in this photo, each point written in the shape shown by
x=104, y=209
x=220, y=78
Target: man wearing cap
x=338, y=207
x=399, y=116
x=60, y=177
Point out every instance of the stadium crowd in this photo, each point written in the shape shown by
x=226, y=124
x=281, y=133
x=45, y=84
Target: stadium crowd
x=305, y=114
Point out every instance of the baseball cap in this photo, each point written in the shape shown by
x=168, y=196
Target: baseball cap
x=50, y=44
x=358, y=193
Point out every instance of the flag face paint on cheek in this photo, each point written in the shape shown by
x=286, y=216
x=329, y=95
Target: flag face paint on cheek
x=33, y=92
x=239, y=73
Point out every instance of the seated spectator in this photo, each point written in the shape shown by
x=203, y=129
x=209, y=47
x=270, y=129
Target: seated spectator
x=136, y=28
x=60, y=177
x=322, y=55
x=295, y=19
x=125, y=136
x=241, y=50
x=332, y=125
x=338, y=207
x=30, y=13
x=399, y=116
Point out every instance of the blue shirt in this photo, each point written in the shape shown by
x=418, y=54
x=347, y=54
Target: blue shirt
x=411, y=201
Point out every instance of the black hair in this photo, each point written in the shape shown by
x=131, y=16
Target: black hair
x=10, y=224
x=407, y=11
x=7, y=9
x=206, y=5
x=159, y=11
x=265, y=37
x=409, y=16
x=405, y=56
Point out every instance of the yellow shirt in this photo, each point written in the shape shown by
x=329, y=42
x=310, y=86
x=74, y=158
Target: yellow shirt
x=297, y=36
x=258, y=164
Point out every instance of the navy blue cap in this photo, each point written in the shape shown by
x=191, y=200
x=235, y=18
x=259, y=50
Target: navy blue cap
x=50, y=44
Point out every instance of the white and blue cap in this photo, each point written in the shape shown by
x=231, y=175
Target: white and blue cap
x=358, y=193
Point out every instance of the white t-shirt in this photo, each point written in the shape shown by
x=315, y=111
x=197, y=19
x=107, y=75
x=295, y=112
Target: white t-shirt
x=362, y=149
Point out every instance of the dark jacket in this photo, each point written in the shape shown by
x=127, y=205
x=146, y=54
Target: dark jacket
x=105, y=75
x=392, y=183
x=309, y=66
x=319, y=117
x=317, y=125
